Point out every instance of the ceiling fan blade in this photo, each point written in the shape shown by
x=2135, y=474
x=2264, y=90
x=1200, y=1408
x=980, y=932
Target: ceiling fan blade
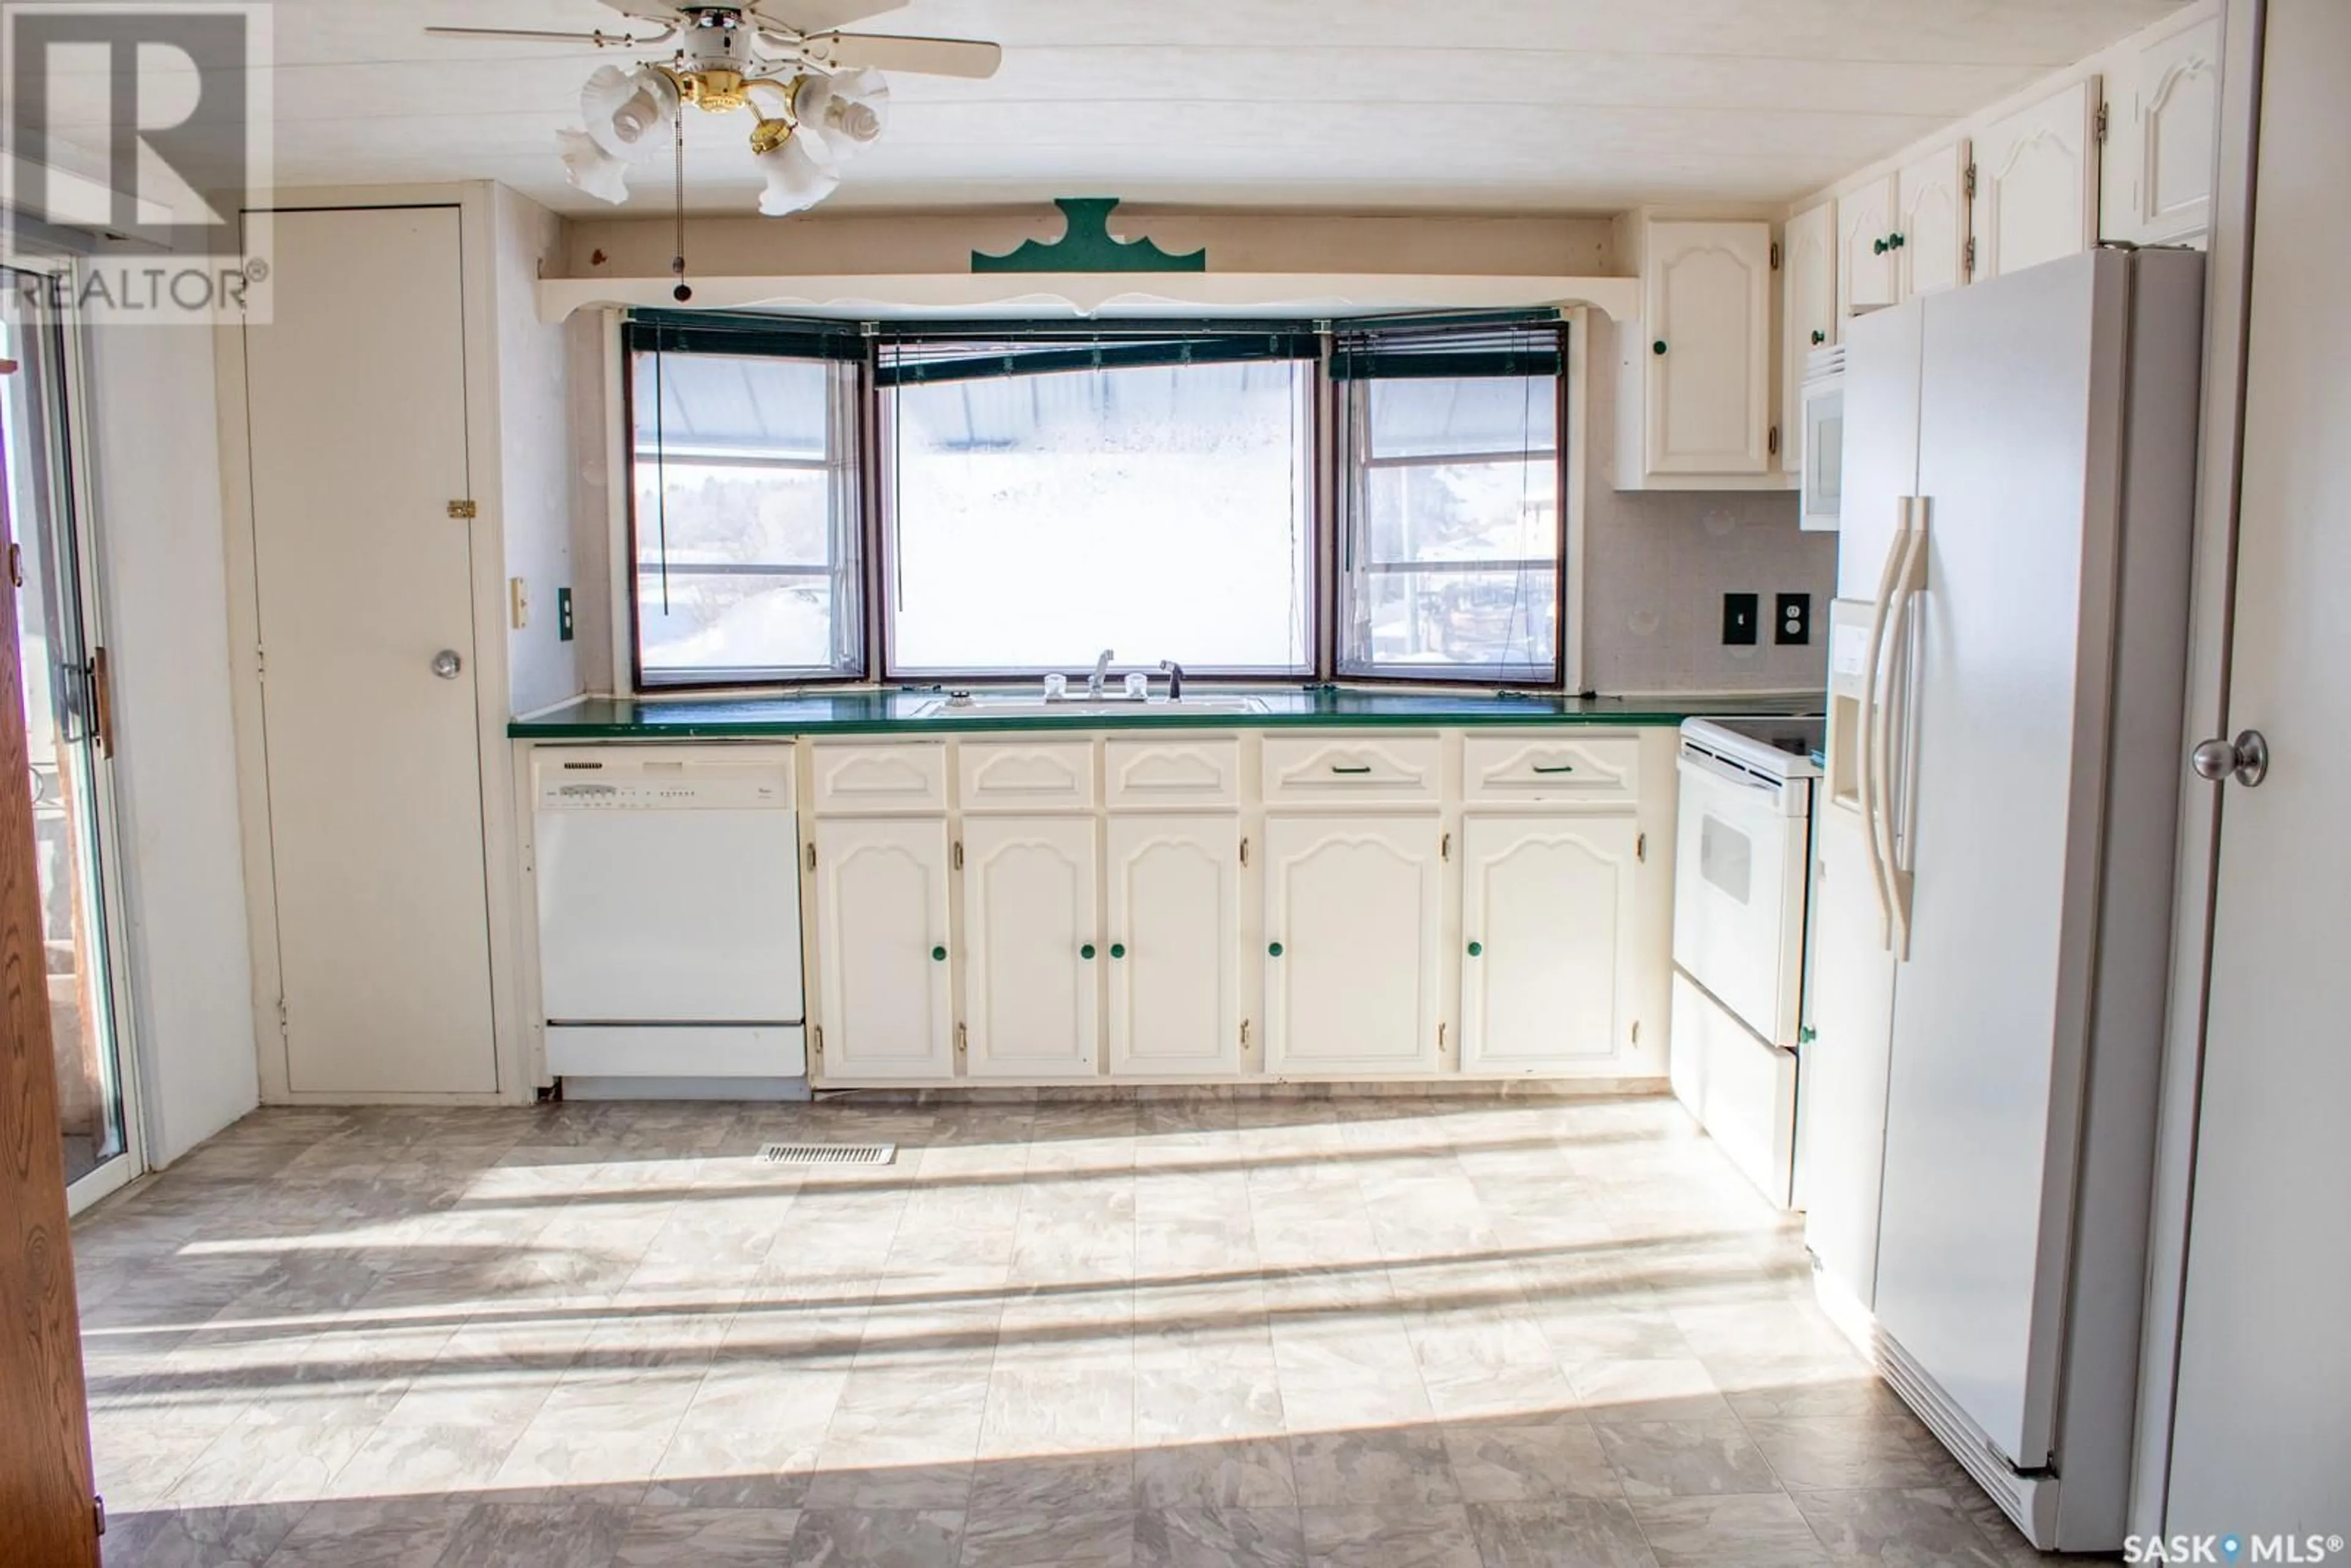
x=601, y=40
x=820, y=15
x=924, y=56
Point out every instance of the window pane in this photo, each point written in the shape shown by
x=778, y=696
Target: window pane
x=746, y=532
x=1453, y=530
x=1163, y=511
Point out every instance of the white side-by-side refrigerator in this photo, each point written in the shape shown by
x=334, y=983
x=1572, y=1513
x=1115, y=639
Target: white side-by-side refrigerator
x=1994, y=895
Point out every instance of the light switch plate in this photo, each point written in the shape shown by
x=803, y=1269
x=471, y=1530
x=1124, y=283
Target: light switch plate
x=1739, y=614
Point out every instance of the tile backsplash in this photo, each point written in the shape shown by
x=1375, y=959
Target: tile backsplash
x=1657, y=562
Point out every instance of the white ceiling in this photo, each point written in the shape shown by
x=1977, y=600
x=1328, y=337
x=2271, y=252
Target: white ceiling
x=1353, y=105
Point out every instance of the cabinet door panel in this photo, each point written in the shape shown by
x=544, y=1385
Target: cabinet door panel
x=1175, y=909
x=2037, y=182
x=1931, y=219
x=1035, y=999
x=1353, y=903
x=1549, y=904
x=1808, y=315
x=1865, y=278
x=881, y=911
x=2160, y=190
x=1844, y=1067
x=1709, y=304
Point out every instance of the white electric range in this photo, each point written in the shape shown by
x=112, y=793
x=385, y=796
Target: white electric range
x=1743, y=847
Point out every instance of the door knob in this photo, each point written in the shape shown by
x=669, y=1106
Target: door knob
x=446, y=664
x=2245, y=759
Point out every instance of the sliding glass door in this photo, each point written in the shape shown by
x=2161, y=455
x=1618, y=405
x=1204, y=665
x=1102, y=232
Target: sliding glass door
x=68, y=735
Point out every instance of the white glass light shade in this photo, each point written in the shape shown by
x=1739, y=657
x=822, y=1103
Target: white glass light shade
x=625, y=111
x=797, y=179
x=592, y=168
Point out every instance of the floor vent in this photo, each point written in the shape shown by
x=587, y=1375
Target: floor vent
x=827, y=1153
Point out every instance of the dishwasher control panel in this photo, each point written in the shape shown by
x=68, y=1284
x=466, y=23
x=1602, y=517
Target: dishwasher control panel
x=664, y=778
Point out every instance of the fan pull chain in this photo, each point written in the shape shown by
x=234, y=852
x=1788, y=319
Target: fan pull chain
x=684, y=291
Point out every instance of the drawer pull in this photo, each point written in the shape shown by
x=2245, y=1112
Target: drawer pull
x=1360, y=767
x=1561, y=768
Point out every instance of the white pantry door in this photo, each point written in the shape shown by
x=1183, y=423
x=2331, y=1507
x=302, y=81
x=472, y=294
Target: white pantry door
x=1174, y=958
x=2261, y=1429
x=1546, y=928
x=355, y=395
x=881, y=948
x=1351, y=909
x=1032, y=979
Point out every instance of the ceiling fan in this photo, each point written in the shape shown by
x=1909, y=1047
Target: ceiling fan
x=816, y=93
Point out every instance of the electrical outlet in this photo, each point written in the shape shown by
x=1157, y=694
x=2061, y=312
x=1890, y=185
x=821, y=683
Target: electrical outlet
x=563, y=615
x=1794, y=625
x=1740, y=611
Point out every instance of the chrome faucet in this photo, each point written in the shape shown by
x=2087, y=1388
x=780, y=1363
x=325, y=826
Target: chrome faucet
x=1101, y=673
x=1175, y=679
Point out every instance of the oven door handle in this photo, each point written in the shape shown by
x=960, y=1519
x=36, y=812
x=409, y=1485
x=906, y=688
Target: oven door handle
x=1867, y=763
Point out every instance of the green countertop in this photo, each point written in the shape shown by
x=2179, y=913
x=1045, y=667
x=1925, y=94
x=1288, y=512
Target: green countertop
x=871, y=711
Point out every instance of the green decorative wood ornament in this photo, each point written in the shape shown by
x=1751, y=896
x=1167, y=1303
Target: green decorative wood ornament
x=1087, y=246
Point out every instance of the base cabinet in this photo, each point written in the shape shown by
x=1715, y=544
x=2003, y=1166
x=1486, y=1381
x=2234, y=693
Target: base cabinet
x=1547, y=930
x=883, y=932
x=1353, y=908
x=1174, y=949
x=1033, y=958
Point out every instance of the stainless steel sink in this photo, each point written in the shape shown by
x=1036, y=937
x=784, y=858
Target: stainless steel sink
x=984, y=705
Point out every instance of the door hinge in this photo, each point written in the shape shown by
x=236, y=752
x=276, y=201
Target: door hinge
x=1244, y=1034
x=1244, y=862
x=959, y=854
x=1970, y=187
x=16, y=566
x=1968, y=259
x=98, y=1513
x=1640, y=848
x=1776, y=256
x=963, y=1037
x=1771, y=442
x=811, y=857
x=820, y=1039
x=282, y=1024
x=2099, y=124
x=1440, y=1039
x=260, y=662
x=101, y=702
x=1636, y=1031
x=1445, y=848
x=464, y=511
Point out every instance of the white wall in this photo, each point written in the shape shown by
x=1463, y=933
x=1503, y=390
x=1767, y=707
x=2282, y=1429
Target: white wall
x=537, y=473
x=163, y=576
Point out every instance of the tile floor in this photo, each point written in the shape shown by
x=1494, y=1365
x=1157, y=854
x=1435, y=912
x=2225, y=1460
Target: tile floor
x=1179, y=1334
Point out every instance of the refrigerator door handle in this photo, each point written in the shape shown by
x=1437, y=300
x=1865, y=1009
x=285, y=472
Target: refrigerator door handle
x=1868, y=764
x=1891, y=744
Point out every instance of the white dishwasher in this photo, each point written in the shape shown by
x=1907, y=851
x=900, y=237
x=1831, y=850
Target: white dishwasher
x=669, y=913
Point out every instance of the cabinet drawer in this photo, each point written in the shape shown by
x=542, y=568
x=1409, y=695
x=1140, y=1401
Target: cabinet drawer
x=1347, y=771
x=1172, y=772
x=1025, y=776
x=851, y=779
x=1558, y=767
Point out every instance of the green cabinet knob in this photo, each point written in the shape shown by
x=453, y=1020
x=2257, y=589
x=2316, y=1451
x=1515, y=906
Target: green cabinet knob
x=1894, y=242
x=1806, y=1034
x=939, y=955
x=1878, y=246
x=1087, y=951
x=1659, y=346
x=1273, y=949
x=1819, y=336
x=1118, y=949
x=1476, y=948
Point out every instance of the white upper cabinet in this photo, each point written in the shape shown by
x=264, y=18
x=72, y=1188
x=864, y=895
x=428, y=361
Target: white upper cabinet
x=1700, y=372
x=2162, y=140
x=881, y=943
x=1808, y=314
x=1352, y=912
x=1931, y=222
x=1174, y=951
x=2037, y=182
x=1865, y=274
x=1034, y=961
x=1547, y=941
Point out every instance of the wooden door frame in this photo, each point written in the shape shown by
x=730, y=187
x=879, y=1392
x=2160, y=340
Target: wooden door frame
x=2211, y=611
x=517, y=1061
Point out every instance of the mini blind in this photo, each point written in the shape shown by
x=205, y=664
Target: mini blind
x=1452, y=347
x=914, y=356
x=743, y=332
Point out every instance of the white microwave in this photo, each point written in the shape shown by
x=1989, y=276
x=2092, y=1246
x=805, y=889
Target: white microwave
x=1822, y=476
